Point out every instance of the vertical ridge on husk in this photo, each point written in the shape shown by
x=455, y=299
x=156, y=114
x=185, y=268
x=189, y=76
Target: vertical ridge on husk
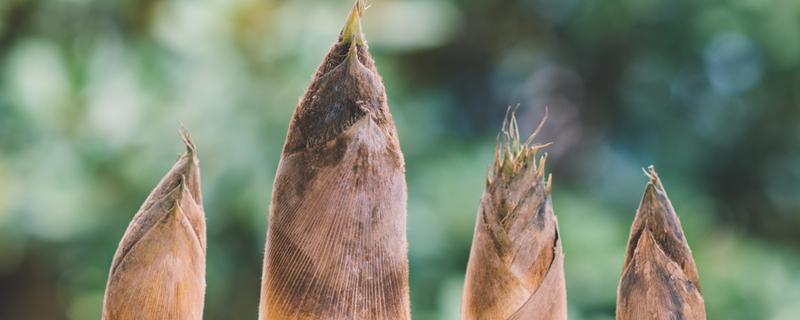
x=336, y=245
x=659, y=278
x=515, y=268
x=158, y=270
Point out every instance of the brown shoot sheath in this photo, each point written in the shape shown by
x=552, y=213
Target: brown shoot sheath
x=659, y=278
x=336, y=242
x=158, y=271
x=516, y=265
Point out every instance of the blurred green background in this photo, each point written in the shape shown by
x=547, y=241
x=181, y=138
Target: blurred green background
x=92, y=93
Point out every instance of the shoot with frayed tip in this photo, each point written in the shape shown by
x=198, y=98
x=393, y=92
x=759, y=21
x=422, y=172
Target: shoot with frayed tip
x=515, y=269
x=511, y=153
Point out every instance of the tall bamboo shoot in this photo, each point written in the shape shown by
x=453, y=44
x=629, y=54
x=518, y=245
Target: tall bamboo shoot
x=336, y=243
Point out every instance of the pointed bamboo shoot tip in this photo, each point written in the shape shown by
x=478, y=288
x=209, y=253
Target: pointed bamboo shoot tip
x=352, y=54
x=187, y=140
x=655, y=181
x=352, y=27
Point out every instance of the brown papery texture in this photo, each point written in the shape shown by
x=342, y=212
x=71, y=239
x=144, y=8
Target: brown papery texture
x=158, y=271
x=516, y=265
x=659, y=278
x=336, y=243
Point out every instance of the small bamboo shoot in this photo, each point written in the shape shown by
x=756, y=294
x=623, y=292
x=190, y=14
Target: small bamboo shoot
x=516, y=266
x=659, y=278
x=158, y=271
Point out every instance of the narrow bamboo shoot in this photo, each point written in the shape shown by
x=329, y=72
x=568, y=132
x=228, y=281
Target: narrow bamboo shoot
x=659, y=278
x=158, y=271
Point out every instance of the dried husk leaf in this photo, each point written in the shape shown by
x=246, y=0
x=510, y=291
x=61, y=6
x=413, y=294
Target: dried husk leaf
x=515, y=269
x=336, y=245
x=659, y=278
x=158, y=270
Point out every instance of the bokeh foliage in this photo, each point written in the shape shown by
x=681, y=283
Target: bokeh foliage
x=92, y=93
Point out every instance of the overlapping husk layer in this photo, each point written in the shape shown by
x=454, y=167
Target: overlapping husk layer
x=336, y=245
